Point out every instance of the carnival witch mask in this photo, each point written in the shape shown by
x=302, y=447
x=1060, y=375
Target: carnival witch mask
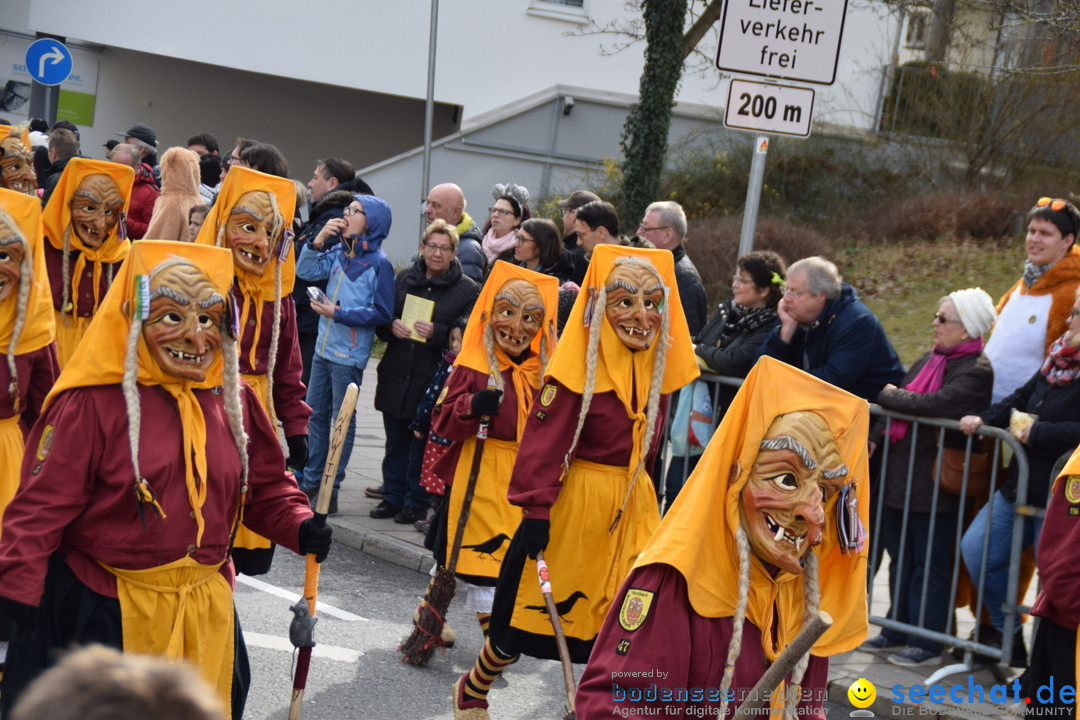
x=17, y=166
x=183, y=327
x=516, y=316
x=96, y=206
x=13, y=257
x=252, y=232
x=635, y=296
x=782, y=506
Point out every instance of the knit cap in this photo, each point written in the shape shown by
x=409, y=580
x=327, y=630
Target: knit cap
x=976, y=310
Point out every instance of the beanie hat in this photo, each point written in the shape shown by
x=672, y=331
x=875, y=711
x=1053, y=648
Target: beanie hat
x=975, y=308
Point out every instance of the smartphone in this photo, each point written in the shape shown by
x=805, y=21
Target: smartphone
x=316, y=294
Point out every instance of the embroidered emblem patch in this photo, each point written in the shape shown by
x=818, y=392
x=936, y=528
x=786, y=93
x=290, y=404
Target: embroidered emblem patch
x=541, y=415
x=623, y=647
x=45, y=444
x=442, y=395
x=547, y=395
x=1072, y=489
x=635, y=608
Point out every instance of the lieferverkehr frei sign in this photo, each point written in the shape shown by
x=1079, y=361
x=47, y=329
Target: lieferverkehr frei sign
x=784, y=39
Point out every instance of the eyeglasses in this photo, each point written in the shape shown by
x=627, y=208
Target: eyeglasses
x=501, y=212
x=740, y=281
x=795, y=293
x=436, y=248
x=940, y=318
x=232, y=159
x=1055, y=204
x=643, y=229
x=354, y=210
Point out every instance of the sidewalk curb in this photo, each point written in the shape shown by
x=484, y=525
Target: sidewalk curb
x=383, y=547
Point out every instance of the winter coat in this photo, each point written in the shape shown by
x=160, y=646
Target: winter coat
x=407, y=365
x=1057, y=431
x=361, y=287
x=179, y=193
x=845, y=346
x=470, y=253
x=729, y=352
x=144, y=194
x=691, y=291
x=964, y=389
x=332, y=205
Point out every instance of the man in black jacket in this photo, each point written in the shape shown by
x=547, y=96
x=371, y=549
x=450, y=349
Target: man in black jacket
x=664, y=225
x=570, y=206
x=447, y=202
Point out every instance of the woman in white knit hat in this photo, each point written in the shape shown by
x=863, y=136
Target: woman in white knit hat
x=949, y=381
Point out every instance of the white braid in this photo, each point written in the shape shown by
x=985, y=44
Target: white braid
x=131, y=392
x=65, y=278
x=657, y=382
x=742, y=545
x=591, y=354
x=493, y=361
x=275, y=339
x=26, y=280
x=233, y=410
x=811, y=598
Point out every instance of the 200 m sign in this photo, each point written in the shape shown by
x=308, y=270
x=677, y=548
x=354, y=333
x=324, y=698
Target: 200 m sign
x=768, y=108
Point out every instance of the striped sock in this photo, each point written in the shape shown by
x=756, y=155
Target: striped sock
x=484, y=620
x=489, y=665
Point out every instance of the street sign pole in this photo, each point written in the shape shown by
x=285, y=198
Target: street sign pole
x=753, y=194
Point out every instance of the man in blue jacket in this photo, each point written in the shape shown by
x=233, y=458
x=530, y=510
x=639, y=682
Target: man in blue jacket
x=826, y=331
x=359, y=295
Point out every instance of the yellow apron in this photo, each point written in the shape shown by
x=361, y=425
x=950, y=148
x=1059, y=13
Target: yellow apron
x=246, y=538
x=583, y=557
x=11, y=453
x=492, y=519
x=180, y=610
x=69, y=331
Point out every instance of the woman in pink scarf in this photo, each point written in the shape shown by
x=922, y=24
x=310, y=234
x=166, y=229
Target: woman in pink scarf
x=950, y=381
x=506, y=215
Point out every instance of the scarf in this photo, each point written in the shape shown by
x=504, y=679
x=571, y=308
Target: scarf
x=1062, y=362
x=1033, y=272
x=739, y=319
x=930, y=377
x=496, y=246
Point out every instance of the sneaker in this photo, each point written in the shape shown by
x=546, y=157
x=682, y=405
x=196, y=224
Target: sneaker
x=409, y=515
x=422, y=525
x=912, y=656
x=374, y=492
x=881, y=642
x=385, y=509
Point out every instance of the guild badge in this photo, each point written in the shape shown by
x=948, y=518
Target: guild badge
x=442, y=396
x=547, y=395
x=635, y=608
x=45, y=444
x=1072, y=489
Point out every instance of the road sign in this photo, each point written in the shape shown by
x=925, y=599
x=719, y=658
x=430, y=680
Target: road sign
x=785, y=39
x=48, y=61
x=768, y=108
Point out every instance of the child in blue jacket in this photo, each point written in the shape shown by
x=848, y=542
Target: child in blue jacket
x=359, y=296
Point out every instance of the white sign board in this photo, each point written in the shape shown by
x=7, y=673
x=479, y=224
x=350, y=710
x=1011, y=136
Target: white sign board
x=785, y=39
x=768, y=108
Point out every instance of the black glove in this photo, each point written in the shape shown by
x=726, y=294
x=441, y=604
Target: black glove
x=17, y=612
x=297, y=451
x=535, y=533
x=486, y=402
x=315, y=539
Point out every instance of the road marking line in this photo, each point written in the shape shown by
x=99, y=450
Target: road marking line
x=273, y=642
x=320, y=608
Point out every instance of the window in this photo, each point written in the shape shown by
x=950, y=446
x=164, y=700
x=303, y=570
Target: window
x=568, y=10
x=916, y=30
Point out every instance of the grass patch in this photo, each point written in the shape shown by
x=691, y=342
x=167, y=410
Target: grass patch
x=902, y=281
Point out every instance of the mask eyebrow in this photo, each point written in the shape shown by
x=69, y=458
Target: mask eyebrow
x=659, y=287
x=536, y=308
x=621, y=285
x=214, y=300
x=239, y=209
x=508, y=298
x=786, y=442
x=835, y=473
x=172, y=294
x=89, y=195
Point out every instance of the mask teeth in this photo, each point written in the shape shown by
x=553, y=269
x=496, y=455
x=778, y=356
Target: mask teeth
x=779, y=534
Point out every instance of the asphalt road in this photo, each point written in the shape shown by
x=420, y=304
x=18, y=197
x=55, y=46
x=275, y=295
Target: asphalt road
x=365, y=607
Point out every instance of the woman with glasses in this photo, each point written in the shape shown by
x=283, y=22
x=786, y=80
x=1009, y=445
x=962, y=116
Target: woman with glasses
x=436, y=294
x=729, y=344
x=506, y=215
x=1048, y=425
x=539, y=248
x=947, y=382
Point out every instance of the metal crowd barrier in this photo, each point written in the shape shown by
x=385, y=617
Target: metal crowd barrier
x=995, y=439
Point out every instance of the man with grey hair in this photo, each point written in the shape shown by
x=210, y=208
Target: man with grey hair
x=827, y=331
x=144, y=193
x=664, y=225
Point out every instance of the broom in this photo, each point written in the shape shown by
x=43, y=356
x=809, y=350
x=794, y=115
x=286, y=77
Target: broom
x=427, y=630
x=560, y=638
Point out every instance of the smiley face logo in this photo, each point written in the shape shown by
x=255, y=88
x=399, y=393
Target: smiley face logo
x=862, y=693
